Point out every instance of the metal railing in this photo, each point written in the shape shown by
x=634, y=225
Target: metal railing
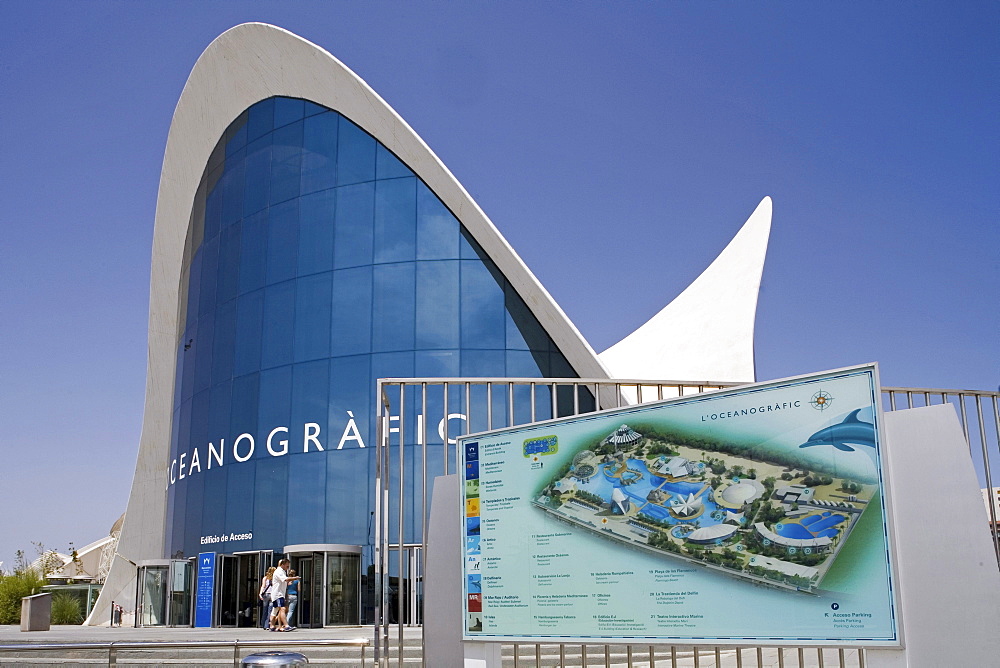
x=428, y=413
x=112, y=648
x=662, y=656
x=980, y=418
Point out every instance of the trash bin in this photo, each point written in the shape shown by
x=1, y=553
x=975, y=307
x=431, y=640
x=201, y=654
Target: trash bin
x=36, y=612
x=275, y=659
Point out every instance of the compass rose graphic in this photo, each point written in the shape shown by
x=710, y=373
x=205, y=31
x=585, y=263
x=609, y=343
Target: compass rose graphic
x=821, y=400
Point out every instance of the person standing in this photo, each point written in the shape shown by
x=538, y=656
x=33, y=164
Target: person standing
x=279, y=584
x=265, y=598
x=292, y=597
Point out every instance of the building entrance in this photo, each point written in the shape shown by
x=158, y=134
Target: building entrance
x=329, y=593
x=237, y=586
x=164, y=592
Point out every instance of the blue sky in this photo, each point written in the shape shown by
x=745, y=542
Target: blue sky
x=604, y=140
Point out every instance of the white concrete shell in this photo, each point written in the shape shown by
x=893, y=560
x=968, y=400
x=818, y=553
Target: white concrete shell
x=706, y=333
x=241, y=67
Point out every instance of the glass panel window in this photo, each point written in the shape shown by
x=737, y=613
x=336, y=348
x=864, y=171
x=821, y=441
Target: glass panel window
x=388, y=166
x=482, y=307
x=319, y=152
x=355, y=154
x=257, y=175
x=351, y=321
x=437, y=229
x=393, y=307
x=229, y=263
x=282, y=241
x=279, y=317
x=316, y=225
x=286, y=158
x=287, y=110
x=232, y=186
x=253, y=257
x=437, y=309
x=313, y=306
x=352, y=237
x=249, y=322
x=261, y=119
x=395, y=220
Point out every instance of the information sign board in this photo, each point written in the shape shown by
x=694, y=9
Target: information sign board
x=204, y=594
x=756, y=514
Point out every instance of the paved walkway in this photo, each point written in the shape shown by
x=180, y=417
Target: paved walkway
x=10, y=635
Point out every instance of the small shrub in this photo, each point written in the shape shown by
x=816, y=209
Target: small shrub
x=66, y=608
x=14, y=587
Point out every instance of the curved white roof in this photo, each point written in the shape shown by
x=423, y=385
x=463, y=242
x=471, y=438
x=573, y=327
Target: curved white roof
x=706, y=333
x=742, y=492
x=712, y=533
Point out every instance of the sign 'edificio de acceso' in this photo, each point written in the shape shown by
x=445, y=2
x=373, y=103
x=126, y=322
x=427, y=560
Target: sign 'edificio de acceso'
x=753, y=514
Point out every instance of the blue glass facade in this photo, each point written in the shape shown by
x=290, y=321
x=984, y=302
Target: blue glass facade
x=316, y=263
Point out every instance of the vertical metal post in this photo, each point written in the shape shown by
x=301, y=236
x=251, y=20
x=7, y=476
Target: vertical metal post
x=401, y=524
x=989, y=477
x=380, y=508
x=533, y=402
x=965, y=418
x=447, y=446
x=418, y=613
x=468, y=408
x=510, y=404
x=489, y=405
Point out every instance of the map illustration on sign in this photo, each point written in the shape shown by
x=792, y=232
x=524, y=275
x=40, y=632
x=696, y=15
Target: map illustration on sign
x=757, y=513
x=767, y=514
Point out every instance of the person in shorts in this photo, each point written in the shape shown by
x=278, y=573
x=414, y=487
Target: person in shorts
x=279, y=586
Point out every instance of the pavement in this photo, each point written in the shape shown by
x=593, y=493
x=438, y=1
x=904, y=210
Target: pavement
x=12, y=634
x=79, y=645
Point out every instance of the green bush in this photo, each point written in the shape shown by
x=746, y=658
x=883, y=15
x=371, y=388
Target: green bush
x=13, y=587
x=66, y=608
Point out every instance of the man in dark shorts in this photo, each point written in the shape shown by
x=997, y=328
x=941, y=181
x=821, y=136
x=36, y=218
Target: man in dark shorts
x=280, y=579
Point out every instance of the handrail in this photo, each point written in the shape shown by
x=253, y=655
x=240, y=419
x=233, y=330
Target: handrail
x=115, y=645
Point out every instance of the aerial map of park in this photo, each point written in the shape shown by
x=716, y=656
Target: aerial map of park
x=755, y=512
x=765, y=514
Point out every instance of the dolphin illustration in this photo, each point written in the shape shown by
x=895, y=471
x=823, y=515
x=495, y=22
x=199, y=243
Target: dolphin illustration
x=851, y=430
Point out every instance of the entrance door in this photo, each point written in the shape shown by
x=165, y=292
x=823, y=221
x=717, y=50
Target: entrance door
x=343, y=574
x=304, y=611
x=228, y=592
x=152, y=596
x=249, y=586
x=181, y=585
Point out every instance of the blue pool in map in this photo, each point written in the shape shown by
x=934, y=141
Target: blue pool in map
x=813, y=526
x=603, y=483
